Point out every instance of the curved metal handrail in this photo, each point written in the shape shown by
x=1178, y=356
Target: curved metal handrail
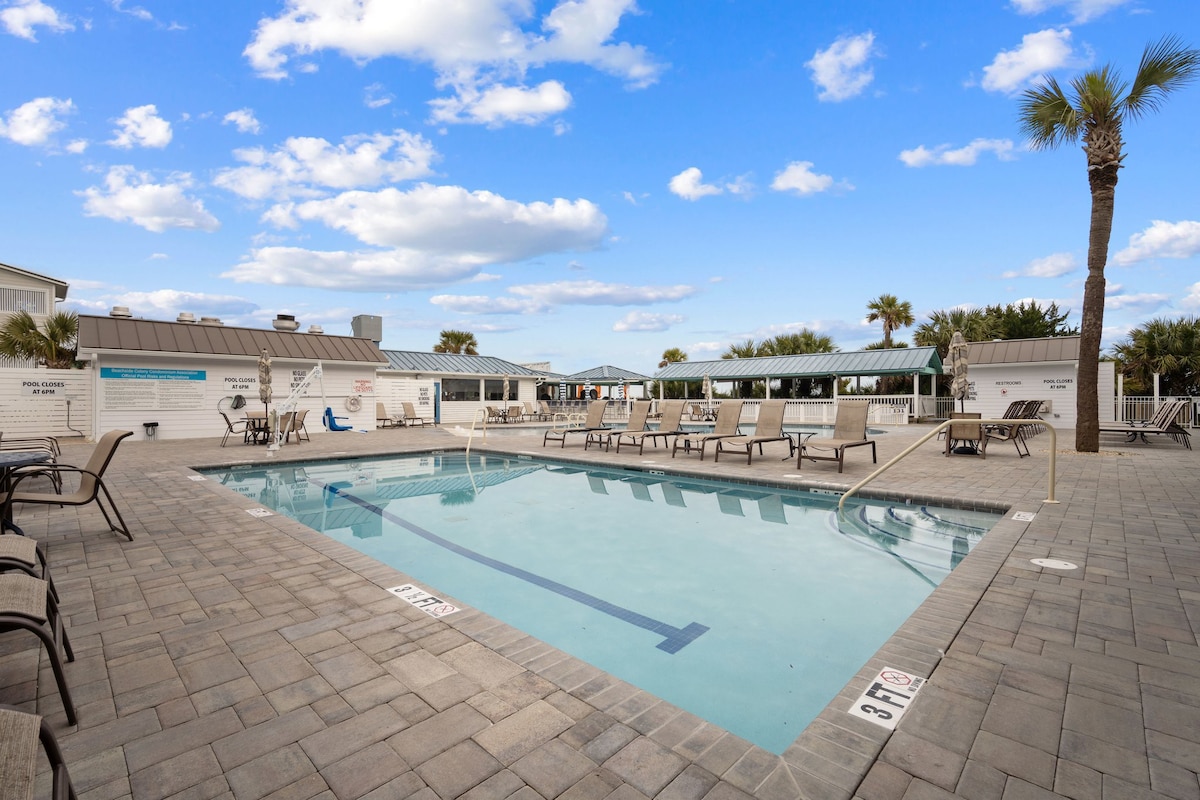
x=943, y=426
x=471, y=433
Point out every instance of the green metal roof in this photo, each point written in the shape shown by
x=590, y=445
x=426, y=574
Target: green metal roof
x=454, y=364
x=896, y=361
x=604, y=376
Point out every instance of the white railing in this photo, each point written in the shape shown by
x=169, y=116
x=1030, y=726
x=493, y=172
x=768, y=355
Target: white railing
x=1140, y=409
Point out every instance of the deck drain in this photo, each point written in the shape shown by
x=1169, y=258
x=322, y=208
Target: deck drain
x=1053, y=563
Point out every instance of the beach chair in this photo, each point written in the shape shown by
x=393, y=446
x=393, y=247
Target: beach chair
x=849, y=430
x=696, y=411
x=636, y=425
x=531, y=411
x=593, y=423
x=410, y=415
x=385, y=420
x=514, y=414
x=544, y=412
x=1013, y=433
x=20, y=734
x=768, y=428
x=729, y=416
x=494, y=415
x=44, y=444
x=668, y=425
x=1162, y=423
x=91, y=483
x=26, y=604
x=966, y=437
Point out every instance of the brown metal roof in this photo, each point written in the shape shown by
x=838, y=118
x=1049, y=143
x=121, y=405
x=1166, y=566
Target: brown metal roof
x=1012, y=351
x=143, y=335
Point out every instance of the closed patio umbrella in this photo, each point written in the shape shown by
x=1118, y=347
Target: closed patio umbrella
x=959, y=386
x=707, y=393
x=506, y=388
x=264, y=378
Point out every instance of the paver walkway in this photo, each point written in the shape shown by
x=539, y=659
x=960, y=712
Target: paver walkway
x=224, y=655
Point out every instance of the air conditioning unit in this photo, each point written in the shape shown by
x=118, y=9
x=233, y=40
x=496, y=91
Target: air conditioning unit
x=1046, y=407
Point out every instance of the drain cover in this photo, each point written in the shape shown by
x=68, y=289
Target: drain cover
x=1054, y=563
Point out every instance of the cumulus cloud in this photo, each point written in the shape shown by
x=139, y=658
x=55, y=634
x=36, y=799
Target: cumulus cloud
x=798, y=177
x=1080, y=10
x=645, y=321
x=167, y=303
x=1052, y=266
x=1162, y=240
x=21, y=17
x=141, y=127
x=840, y=71
x=365, y=270
x=1038, y=54
x=131, y=196
x=305, y=165
x=1144, y=302
x=479, y=49
x=690, y=185
x=33, y=123
x=1192, y=298
x=538, y=298
x=244, y=120
x=945, y=155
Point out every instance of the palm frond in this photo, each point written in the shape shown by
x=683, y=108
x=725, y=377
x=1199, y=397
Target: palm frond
x=1047, y=117
x=1166, y=66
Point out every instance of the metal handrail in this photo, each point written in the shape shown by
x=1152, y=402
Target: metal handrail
x=944, y=425
x=471, y=433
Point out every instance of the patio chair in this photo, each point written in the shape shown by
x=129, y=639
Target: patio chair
x=768, y=428
x=1012, y=433
x=531, y=411
x=544, y=412
x=729, y=417
x=20, y=734
x=695, y=411
x=27, y=555
x=636, y=425
x=1162, y=423
x=593, y=423
x=410, y=415
x=668, y=425
x=385, y=420
x=494, y=415
x=333, y=423
x=514, y=414
x=27, y=605
x=44, y=444
x=91, y=484
x=298, y=427
x=849, y=430
x=242, y=426
x=966, y=438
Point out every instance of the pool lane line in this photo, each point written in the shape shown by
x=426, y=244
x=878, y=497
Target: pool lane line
x=675, y=639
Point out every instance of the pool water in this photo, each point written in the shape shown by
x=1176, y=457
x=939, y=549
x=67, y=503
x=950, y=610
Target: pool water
x=749, y=606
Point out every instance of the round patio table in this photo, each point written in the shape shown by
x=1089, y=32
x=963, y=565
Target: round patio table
x=9, y=461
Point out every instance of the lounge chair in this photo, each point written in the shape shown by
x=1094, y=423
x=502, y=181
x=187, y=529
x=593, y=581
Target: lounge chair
x=91, y=483
x=849, y=430
x=1013, y=433
x=696, y=411
x=385, y=420
x=410, y=415
x=20, y=733
x=729, y=416
x=544, y=412
x=966, y=437
x=531, y=411
x=514, y=414
x=26, y=604
x=769, y=428
x=333, y=423
x=593, y=423
x=45, y=444
x=636, y=425
x=668, y=425
x=1162, y=423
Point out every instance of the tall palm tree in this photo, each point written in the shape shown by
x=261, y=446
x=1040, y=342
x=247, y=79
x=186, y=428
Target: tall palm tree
x=52, y=345
x=938, y=330
x=894, y=315
x=799, y=343
x=746, y=349
x=462, y=342
x=672, y=355
x=673, y=389
x=1095, y=112
x=1164, y=347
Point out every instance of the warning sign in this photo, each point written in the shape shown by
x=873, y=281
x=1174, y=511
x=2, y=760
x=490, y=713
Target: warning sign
x=887, y=697
x=415, y=596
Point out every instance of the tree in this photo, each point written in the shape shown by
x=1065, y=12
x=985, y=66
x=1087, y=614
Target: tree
x=1168, y=348
x=746, y=349
x=1099, y=104
x=942, y=325
x=672, y=355
x=802, y=342
x=1027, y=321
x=53, y=346
x=671, y=389
x=462, y=342
x=892, y=313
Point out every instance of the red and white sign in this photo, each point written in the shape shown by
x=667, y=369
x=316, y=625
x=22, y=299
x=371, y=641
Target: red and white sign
x=887, y=697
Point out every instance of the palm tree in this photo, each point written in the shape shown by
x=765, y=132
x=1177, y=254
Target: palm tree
x=672, y=355
x=672, y=389
x=1098, y=106
x=462, y=342
x=800, y=343
x=1163, y=347
x=893, y=313
x=53, y=345
x=941, y=326
x=746, y=349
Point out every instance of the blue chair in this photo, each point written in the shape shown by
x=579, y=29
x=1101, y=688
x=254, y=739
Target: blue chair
x=331, y=422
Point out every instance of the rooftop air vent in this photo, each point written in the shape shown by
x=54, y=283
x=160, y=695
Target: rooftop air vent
x=211, y=321
x=285, y=322
x=120, y=311
x=186, y=316
x=315, y=329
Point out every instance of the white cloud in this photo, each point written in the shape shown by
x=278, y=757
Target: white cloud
x=480, y=49
x=538, y=298
x=1038, y=54
x=1162, y=240
x=22, y=16
x=304, y=165
x=141, y=127
x=1080, y=10
x=370, y=271
x=244, y=119
x=376, y=96
x=689, y=185
x=77, y=146
x=167, y=303
x=497, y=105
x=130, y=196
x=643, y=321
x=1192, y=299
x=1052, y=266
x=135, y=11
x=33, y=123
x=943, y=154
x=483, y=304
x=799, y=178
x=840, y=71
x=1146, y=301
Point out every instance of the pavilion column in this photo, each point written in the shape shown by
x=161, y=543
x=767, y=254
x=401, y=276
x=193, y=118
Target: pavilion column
x=916, y=395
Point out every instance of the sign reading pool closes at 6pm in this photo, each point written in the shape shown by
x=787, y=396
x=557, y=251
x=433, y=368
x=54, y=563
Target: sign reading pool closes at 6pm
x=124, y=388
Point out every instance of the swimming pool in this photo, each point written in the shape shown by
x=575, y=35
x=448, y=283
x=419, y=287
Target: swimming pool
x=749, y=606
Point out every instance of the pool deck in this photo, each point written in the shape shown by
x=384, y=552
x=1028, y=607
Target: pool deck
x=220, y=654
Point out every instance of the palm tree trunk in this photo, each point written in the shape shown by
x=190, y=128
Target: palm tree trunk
x=1103, y=182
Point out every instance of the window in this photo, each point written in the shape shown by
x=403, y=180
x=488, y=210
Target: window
x=29, y=300
x=494, y=390
x=460, y=389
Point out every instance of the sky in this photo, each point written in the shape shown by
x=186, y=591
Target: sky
x=581, y=182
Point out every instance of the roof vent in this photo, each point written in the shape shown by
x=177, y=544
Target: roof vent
x=285, y=322
x=211, y=321
x=315, y=329
x=186, y=316
x=120, y=311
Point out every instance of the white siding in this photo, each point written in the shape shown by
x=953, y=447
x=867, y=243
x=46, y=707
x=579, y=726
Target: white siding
x=46, y=402
x=994, y=386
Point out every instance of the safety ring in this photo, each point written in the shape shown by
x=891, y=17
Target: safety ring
x=353, y=403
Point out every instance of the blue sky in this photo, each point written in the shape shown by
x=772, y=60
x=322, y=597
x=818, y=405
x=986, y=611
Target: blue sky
x=582, y=182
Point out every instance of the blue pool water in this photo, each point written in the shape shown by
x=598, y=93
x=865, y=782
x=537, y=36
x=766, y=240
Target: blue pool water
x=748, y=606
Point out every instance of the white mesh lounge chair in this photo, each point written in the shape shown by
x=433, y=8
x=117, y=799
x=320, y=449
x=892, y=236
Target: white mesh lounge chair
x=769, y=428
x=385, y=420
x=729, y=416
x=849, y=430
x=593, y=423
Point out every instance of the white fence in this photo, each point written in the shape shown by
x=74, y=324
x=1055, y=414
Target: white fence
x=46, y=402
x=1139, y=409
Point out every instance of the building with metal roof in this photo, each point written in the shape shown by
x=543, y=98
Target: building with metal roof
x=605, y=376
x=895, y=361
